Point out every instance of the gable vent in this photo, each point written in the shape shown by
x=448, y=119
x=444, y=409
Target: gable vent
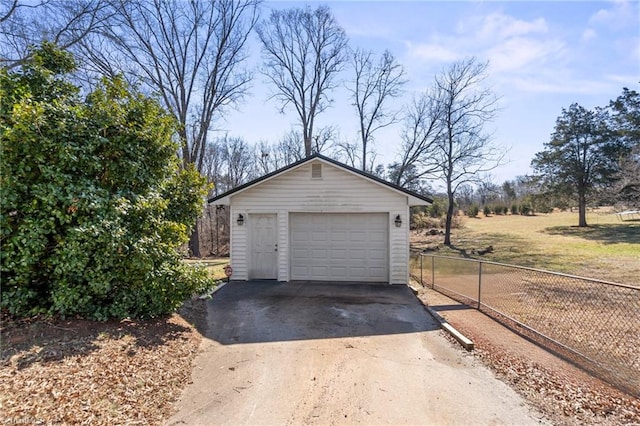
x=316, y=171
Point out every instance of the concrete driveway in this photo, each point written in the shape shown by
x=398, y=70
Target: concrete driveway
x=311, y=353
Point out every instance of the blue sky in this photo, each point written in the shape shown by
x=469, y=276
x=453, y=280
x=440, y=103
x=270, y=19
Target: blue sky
x=543, y=56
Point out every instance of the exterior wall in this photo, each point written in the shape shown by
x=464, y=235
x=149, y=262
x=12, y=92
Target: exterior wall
x=399, y=247
x=239, y=244
x=283, y=245
x=338, y=191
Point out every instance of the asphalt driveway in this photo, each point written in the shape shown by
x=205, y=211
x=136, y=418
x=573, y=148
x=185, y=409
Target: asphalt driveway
x=314, y=353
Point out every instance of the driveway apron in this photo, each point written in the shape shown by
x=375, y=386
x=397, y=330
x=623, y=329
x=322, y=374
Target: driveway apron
x=327, y=353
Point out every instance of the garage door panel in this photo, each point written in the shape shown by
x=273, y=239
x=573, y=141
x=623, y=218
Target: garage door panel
x=339, y=247
x=319, y=236
x=338, y=255
x=377, y=255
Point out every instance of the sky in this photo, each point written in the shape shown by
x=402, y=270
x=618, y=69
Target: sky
x=543, y=56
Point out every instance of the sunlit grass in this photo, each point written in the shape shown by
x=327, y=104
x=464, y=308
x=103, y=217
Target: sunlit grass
x=609, y=249
x=215, y=266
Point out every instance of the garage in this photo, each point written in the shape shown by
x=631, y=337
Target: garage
x=339, y=247
x=320, y=220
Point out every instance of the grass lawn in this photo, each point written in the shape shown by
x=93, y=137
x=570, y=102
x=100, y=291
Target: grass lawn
x=609, y=249
x=215, y=266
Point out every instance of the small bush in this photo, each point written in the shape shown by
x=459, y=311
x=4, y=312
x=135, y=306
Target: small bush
x=437, y=209
x=514, y=208
x=500, y=209
x=486, y=210
x=473, y=211
x=420, y=221
x=525, y=209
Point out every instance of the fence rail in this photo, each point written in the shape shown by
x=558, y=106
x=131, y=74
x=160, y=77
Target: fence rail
x=593, y=323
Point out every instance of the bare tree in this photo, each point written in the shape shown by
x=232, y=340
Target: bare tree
x=213, y=167
x=264, y=153
x=290, y=149
x=374, y=84
x=65, y=23
x=239, y=161
x=347, y=152
x=422, y=129
x=323, y=139
x=304, y=50
x=463, y=151
x=189, y=53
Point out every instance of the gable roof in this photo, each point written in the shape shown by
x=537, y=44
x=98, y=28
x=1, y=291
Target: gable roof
x=414, y=197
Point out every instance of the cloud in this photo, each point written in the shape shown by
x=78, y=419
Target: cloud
x=431, y=52
x=620, y=15
x=500, y=26
x=519, y=53
x=589, y=34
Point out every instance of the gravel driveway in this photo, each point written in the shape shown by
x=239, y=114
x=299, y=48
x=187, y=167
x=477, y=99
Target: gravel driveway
x=310, y=353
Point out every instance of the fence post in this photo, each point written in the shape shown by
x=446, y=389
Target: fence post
x=479, y=282
x=433, y=271
x=421, y=281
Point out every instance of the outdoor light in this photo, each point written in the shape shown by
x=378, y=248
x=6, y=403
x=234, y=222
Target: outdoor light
x=240, y=219
x=398, y=221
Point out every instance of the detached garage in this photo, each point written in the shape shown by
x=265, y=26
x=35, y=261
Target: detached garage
x=320, y=220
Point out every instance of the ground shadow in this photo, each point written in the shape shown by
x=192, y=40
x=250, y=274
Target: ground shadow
x=614, y=233
x=455, y=307
x=29, y=341
x=268, y=311
x=466, y=253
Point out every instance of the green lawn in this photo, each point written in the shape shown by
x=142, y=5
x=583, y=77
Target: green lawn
x=213, y=265
x=609, y=249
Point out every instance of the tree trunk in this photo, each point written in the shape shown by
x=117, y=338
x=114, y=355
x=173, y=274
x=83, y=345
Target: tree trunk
x=582, y=210
x=194, y=243
x=447, y=230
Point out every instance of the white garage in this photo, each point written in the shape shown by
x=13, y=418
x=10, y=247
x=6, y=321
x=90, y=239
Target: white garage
x=320, y=220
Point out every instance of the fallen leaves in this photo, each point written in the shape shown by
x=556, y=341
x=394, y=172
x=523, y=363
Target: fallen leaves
x=95, y=373
x=560, y=396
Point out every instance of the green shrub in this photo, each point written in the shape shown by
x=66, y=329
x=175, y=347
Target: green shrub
x=525, y=209
x=514, y=208
x=473, y=211
x=486, y=210
x=500, y=209
x=93, y=203
x=437, y=208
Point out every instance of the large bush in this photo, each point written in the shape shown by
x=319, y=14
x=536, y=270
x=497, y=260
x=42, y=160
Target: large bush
x=93, y=203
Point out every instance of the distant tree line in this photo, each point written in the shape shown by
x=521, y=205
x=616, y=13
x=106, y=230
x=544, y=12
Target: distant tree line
x=192, y=57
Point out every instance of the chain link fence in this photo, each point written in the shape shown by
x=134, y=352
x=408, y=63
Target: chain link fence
x=594, y=324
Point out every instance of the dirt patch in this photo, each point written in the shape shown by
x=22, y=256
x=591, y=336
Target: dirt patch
x=561, y=391
x=78, y=371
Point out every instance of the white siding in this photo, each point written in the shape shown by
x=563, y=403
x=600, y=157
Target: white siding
x=337, y=191
x=399, y=245
x=239, y=246
x=283, y=245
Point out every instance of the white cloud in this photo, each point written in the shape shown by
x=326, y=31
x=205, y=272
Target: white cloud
x=619, y=15
x=501, y=26
x=589, y=34
x=522, y=54
x=431, y=52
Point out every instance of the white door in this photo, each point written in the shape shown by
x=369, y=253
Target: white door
x=339, y=247
x=264, y=247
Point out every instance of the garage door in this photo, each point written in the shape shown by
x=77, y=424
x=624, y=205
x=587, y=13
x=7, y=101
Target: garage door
x=339, y=247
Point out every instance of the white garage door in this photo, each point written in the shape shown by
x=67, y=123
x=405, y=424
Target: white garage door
x=339, y=247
